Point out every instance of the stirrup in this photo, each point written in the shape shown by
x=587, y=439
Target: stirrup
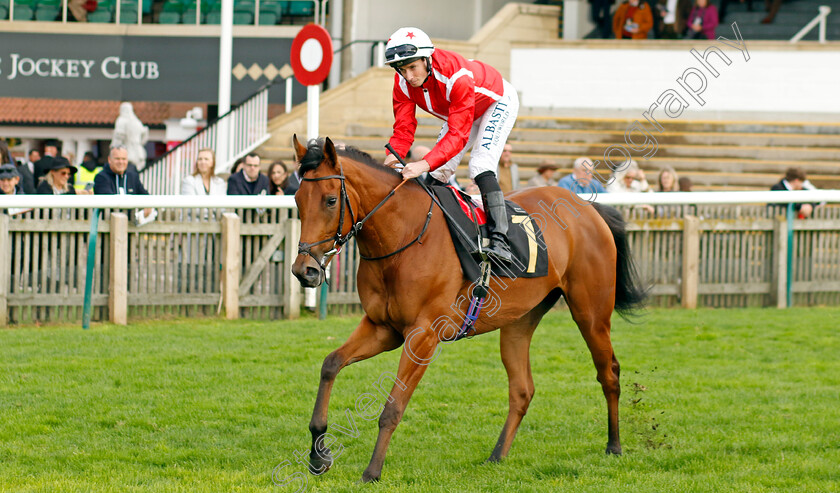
x=500, y=251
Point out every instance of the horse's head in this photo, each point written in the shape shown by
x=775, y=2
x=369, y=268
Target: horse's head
x=326, y=215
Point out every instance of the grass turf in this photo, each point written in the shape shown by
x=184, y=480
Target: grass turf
x=735, y=400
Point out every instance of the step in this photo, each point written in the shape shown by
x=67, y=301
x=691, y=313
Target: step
x=562, y=123
x=609, y=137
x=663, y=150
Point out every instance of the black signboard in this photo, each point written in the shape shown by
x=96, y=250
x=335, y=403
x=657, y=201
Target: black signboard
x=137, y=68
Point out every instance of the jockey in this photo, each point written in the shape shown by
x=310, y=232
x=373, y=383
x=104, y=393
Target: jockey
x=478, y=108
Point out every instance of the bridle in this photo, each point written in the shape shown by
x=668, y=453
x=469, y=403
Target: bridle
x=340, y=240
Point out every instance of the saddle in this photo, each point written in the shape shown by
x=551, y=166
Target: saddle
x=466, y=221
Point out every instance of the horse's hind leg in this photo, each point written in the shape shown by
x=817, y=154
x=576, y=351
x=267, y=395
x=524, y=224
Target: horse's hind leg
x=514, y=344
x=366, y=341
x=592, y=315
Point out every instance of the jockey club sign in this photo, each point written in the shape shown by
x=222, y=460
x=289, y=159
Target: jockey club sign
x=110, y=68
x=135, y=68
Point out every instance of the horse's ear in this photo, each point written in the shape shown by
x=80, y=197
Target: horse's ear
x=329, y=152
x=300, y=149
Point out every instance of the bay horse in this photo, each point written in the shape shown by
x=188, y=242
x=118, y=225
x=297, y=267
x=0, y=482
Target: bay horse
x=405, y=294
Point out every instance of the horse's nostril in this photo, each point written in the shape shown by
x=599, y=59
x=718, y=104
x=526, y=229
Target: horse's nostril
x=312, y=273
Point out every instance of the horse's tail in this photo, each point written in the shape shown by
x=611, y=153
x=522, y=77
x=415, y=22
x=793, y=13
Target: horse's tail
x=630, y=293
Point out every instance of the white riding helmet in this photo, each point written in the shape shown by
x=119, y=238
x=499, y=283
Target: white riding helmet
x=408, y=43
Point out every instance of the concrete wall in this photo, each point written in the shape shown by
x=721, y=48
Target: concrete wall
x=768, y=77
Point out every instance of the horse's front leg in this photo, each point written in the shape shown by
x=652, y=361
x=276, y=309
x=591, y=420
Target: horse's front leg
x=366, y=341
x=418, y=353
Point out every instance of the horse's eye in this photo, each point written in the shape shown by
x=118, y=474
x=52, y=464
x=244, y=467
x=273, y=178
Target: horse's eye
x=331, y=201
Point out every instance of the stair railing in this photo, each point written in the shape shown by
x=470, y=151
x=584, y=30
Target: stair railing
x=819, y=19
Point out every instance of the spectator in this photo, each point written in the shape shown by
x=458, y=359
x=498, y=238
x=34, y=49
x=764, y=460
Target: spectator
x=795, y=179
x=630, y=179
x=685, y=184
x=580, y=181
x=237, y=165
x=601, y=18
x=27, y=172
x=278, y=177
x=79, y=9
x=34, y=157
x=87, y=172
x=117, y=177
x=56, y=181
x=673, y=14
x=632, y=20
x=45, y=163
x=293, y=181
x=772, y=7
x=249, y=181
x=668, y=180
x=702, y=20
x=5, y=155
x=508, y=170
x=543, y=178
x=204, y=181
x=9, y=180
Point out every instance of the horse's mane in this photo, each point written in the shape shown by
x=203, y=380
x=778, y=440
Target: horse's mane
x=315, y=156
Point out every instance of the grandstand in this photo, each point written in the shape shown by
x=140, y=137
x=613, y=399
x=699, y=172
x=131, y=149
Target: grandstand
x=717, y=149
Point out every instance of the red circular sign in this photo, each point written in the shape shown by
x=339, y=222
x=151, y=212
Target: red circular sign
x=312, y=55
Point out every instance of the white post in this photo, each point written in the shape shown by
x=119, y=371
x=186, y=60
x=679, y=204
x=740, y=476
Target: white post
x=380, y=54
x=225, y=66
x=822, y=29
x=288, y=94
x=312, y=105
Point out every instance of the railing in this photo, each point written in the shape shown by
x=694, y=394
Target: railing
x=135, y=18
x=819, y=19
x=120, y=15
x=247, y=128
x=695, y=255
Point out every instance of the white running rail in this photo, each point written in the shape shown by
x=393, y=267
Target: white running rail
x=247, y=126
x=819, y=19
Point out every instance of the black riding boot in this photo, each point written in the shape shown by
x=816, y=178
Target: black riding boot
x=497, y=220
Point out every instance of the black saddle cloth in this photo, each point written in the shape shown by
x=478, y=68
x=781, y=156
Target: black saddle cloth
x=526, y=240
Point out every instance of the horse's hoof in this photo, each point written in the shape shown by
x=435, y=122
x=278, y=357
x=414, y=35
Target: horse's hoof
x=319, y=463
x=370, y=478
x=493, y=459
x=613, y=449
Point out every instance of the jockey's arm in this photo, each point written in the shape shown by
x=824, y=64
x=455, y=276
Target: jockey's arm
x=459, y=122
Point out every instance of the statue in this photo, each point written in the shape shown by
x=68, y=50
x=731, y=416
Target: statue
x=130, y=133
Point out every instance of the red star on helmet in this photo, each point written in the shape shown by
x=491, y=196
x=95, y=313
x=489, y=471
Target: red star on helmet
x=410, y=35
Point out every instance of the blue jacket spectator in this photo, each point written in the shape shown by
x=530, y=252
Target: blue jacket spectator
x=580, y=181
x=248, y=181
x=117, y=177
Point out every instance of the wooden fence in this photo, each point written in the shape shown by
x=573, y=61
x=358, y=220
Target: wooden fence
x=180, y=264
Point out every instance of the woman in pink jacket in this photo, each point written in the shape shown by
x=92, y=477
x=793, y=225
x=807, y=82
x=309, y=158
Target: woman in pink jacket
x=702, y=21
